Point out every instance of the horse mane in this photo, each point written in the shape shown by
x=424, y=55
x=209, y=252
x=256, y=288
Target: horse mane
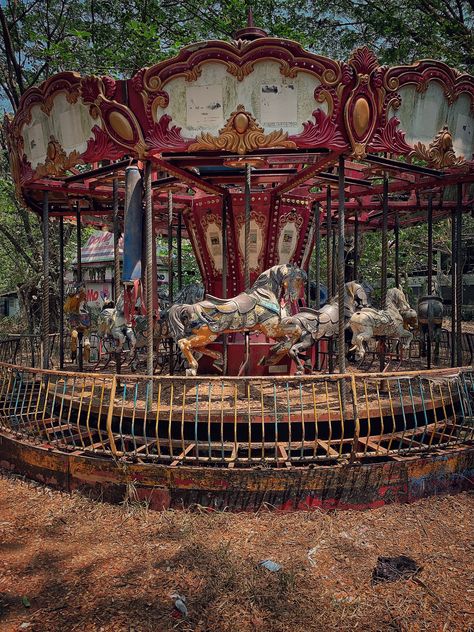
x=272, y=276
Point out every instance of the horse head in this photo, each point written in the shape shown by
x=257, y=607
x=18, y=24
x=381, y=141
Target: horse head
x=398, y=300
x=285, y=281
x=293, y=280
x=355, y=296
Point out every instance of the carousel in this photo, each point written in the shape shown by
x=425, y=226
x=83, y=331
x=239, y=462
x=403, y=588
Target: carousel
x=273, y=386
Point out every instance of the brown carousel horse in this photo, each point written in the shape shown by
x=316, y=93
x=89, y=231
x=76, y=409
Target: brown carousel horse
x=261, y=308
x=79, y=317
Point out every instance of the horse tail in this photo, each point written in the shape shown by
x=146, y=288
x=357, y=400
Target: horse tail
x=175, y=321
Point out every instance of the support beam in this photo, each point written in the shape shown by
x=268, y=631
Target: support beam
x=453, y=288
x=179, y=250
x=430, y=272
x=317, y=254
x=248, y=183
x=308, y=172
x=329, y=261
x=459, y=259
x=430, y=243
x=45, y=302
x=356, y=246
x=383, y=279
x=328, y=242
x=149, y=268
x=170, y=270
x=188, y=177
x=397, y=250
x=340, y=269
x=225, y=210
x=115, y=196
x=80, y=333
x=61, y=293
x=317, y=251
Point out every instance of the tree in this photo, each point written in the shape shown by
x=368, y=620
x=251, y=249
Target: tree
x=42, y=37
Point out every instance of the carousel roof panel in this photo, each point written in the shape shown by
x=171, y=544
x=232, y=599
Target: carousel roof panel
x=203, y=114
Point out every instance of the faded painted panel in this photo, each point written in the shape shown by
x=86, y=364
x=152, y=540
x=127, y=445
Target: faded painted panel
x=423, y=114
x=69, y=123
x=218, y=85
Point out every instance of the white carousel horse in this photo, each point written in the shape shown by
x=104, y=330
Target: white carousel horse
x=389, y=322
x=112, y=322
x=305, y=328
x=261, y=308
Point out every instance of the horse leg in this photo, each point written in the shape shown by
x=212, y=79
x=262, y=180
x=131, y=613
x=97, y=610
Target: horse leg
x=198, y=341
x=294, y=352
x=215, y=355
x=360, y=339
x=405, y=338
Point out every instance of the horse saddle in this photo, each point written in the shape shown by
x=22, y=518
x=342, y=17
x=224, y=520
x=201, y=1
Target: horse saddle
x=243, y=303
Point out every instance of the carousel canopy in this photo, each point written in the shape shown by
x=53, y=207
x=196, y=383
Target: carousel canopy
x=201, y=116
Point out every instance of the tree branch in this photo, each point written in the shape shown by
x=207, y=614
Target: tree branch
x=16, y=244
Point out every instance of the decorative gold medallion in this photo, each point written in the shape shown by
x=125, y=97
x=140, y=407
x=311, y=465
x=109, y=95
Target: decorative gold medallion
x=241, y=134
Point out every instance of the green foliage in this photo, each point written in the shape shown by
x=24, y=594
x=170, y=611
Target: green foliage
x=117, y=38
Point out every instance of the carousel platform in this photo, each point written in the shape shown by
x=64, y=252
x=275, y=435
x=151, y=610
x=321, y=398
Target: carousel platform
x=356, y=440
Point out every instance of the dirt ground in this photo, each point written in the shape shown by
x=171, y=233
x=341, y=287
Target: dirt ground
x=68, y=563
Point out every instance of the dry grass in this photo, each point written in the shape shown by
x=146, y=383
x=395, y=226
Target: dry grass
x=87, y=566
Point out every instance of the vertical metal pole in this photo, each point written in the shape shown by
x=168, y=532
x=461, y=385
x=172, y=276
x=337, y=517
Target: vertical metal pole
x=317, y=248
x=397, y=250
x=225, y=208
x=459, y=257
x=149, y=269
x=80, y=334
x=328, y=242
x=453, y=288
x=329, y=267
x=61, y=292
x=317, y=253
x=179, y=250
x=383, y=280
x=430, y=272
x=430, y=243
x=115, y=194
x=170, y=269
x=248, y=176
x=356, y=246
x=45, y=306
x=334, y=264
x=248, y=183
x=170, y=246
x=340, y=267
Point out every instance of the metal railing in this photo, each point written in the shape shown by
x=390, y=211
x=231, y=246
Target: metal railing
x=25, y=350
x=240, y=422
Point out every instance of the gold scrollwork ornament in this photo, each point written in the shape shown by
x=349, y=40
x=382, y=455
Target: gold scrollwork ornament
x=440, y=152
x=241, y=134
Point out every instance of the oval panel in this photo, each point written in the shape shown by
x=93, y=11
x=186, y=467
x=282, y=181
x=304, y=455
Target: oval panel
x=121, y=126
x=241, y=123
x=361, y=116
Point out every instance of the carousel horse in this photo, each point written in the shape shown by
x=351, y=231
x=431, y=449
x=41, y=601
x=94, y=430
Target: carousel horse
x=392, y=322
x=112, y=322
x=305, y=328
x=188, y=295
x=260, y=308
x=430, y=319
x=79, y=317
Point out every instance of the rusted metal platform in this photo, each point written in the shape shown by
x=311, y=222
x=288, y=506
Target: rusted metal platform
x=290, y=442
x=340, y=486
